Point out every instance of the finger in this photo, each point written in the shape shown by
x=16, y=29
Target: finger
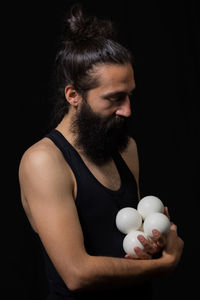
x=129, y=256
x=161, y=241
x=166, y=212
x=141, y=254
x=173, y=227
x=149, y=246
x=158, y=238
x=156, y=235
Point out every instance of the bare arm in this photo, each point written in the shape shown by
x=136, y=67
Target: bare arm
x=47, y=183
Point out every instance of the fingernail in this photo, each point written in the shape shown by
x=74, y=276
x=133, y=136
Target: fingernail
x=141, y=238
x=155, y=232
x=137, y=249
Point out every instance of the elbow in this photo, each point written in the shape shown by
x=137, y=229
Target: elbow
x=75, y=283
x=75, y=286
x=79, y=279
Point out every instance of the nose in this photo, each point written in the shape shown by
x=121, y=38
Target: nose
x=124, y=109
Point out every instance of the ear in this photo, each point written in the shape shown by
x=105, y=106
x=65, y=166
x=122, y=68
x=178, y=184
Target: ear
x=72, y=96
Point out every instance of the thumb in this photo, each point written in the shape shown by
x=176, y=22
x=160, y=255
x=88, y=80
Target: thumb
x=173, y=227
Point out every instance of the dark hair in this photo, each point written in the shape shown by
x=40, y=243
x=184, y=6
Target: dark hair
x=87, y=41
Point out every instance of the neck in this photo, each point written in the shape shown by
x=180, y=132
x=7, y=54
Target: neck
x=64, y=127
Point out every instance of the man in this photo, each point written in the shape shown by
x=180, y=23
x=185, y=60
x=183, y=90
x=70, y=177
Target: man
x=75, y=180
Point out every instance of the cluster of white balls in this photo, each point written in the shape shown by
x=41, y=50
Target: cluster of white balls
x=149, y=215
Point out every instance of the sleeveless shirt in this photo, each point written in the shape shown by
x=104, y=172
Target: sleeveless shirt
x=97, y=207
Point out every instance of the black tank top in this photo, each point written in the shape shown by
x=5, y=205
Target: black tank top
x=97, y=207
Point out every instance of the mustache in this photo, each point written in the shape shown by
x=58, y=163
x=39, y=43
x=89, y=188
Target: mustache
x=115, y=122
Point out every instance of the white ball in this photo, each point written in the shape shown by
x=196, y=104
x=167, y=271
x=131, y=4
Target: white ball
x=131, y=241
x=148, y=205
x=128, y=219
x=157, y=221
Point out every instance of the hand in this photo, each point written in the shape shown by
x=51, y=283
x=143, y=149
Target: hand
x=152, y=246
x=174, y=247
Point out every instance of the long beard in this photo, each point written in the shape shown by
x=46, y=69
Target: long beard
x=98, y=137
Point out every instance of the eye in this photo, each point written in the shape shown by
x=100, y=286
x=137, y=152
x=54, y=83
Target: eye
x=116, y=99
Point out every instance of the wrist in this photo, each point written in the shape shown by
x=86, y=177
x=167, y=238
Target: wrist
x=167, y=263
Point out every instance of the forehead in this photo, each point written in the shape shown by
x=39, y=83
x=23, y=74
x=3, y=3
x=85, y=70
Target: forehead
x=115, y=77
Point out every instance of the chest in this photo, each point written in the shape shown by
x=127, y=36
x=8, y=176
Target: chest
x=107, y=174
x=97, y=207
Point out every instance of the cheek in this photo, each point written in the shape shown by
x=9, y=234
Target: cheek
x=104, y=108
x=100, y=106
x=110, y=108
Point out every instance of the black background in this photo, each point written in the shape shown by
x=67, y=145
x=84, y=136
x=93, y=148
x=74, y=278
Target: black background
x=164, y=38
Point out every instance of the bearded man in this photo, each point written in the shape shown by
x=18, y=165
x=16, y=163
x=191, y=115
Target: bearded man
x=75, y=179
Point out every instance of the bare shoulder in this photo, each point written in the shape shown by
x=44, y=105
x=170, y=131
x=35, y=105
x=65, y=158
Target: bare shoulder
x=39, y=154
x=42, y=160
x=131, y=148
x=42, y=149
x=130, y=154
x=42, y=146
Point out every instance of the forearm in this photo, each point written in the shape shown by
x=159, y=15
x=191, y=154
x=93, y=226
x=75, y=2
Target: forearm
x=120, y=272
x=110, y=272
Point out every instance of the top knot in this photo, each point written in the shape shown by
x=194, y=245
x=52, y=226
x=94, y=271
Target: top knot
x=79, y=27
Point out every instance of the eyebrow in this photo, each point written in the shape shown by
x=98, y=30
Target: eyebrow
x=117, y=93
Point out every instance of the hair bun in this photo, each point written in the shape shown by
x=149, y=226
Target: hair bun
x=79, y=27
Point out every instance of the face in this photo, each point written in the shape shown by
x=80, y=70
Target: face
x=100, y=123
x=111, y=97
